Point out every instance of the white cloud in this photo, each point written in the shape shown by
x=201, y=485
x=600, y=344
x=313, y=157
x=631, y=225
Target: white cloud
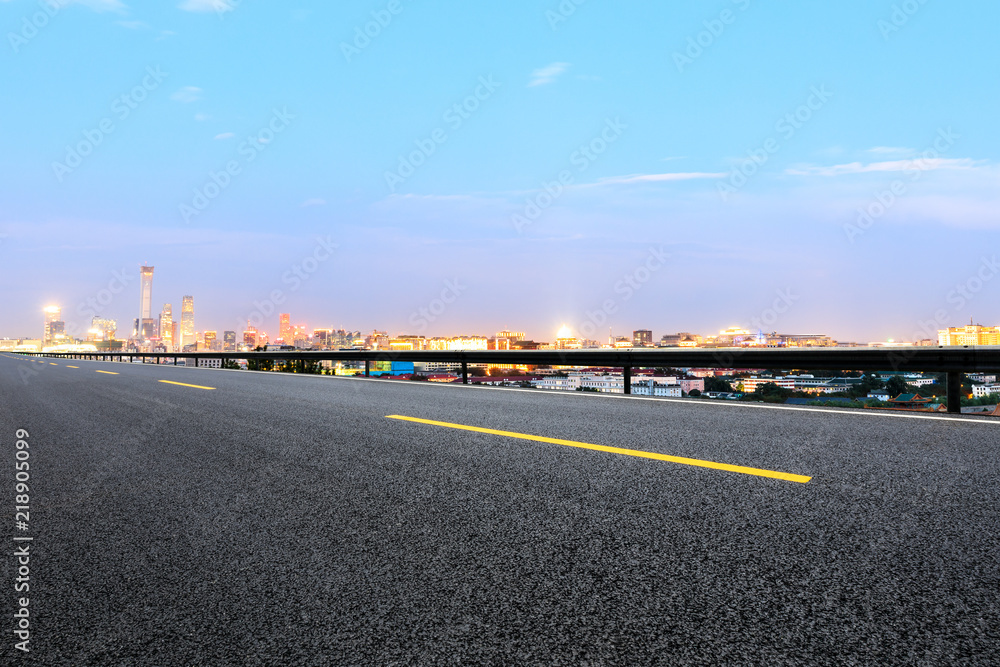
x=656, y=178
x=312, y=202
x=547, y=74
x=187, y=94
x=225, y=135
x=891, y=151
x=208, y=5
x=202, y=117
x=919, y=164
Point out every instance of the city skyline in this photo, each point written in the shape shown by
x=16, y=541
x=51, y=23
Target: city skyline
x=688, y=171
x=265, y=319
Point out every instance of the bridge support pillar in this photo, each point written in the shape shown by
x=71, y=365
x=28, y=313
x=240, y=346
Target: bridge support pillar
x=954, y=387
x=627, y=377
x=368, y=368
x=465, y=372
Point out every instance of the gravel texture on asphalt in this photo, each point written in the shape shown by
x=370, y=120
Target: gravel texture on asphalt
x=283, y=520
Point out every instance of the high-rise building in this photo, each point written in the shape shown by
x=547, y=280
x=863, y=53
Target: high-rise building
x=228, y=341
x=211, y=340
x=146, y=292
x=250, y=337
x=147, y=325
x=53, y=314
x=187, y=321
x=57, y=333
x=285, y=328
x=104, y=328
x=642, y=338
x=167, y=326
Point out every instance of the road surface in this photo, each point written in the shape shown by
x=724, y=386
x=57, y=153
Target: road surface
x=254, y=518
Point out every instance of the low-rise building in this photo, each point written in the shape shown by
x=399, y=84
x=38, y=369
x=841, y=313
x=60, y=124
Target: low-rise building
x=558, y=383
x=980, y=390
x=689, y=384
x=972, y=334
x=653, y=388
x=751, y=383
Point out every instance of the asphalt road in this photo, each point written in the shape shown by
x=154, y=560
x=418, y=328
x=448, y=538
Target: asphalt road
x=285, y=520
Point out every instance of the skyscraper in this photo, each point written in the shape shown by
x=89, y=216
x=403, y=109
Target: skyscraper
x=53, y=315
x=146, y=292
x=285, y=328
x=187, y=321
x=167, y=326
x=147, y=325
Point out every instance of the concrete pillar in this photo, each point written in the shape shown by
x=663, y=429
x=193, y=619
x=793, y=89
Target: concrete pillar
x=954, y=387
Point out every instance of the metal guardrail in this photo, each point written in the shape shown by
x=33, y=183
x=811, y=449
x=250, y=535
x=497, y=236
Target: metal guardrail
x=951, y=360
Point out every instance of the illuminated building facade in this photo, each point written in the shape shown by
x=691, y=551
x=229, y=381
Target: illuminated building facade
x=187, y=321
x=285, y=328
x=972, y=334
x=53, y=324
x=148, y=326
x=167, y=327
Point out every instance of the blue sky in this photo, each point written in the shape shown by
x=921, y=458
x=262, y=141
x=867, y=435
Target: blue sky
x=670, y=166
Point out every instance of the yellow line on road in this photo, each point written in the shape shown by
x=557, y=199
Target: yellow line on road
x=72, y=367
x=181, y=384
x=107, y=372
x=52, y=363
x=802, y=479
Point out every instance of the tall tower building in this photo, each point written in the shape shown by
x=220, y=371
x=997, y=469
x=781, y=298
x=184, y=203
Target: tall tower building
x=167, y=326
x=53, y=316
x=147, y=325
x=285, y=328
x=146, y=294
x=187, y=321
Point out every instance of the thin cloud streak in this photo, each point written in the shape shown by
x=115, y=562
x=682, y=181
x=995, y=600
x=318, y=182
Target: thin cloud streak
x=547, y=74
x=931, y=164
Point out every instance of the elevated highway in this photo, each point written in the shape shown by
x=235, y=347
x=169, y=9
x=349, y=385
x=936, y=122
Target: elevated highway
x=197, y=516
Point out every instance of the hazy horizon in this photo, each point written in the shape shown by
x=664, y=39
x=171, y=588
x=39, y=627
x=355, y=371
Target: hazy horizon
x=529, y=164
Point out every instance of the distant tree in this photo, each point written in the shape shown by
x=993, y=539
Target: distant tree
x=870, y=382
x=694, y=393
x=417, y=377
x=896, y=385
x=717, y=384
x=771, y=390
